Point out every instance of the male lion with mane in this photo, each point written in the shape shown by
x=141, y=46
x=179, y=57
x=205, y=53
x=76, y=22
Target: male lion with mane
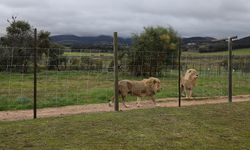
x=188, y=82
x=146, y=87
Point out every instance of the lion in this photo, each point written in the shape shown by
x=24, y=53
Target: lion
x=144, y=88
x=188, y=82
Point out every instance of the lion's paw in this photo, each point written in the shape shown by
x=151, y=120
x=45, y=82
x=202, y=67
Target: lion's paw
x=139, y=105
x=157, y=105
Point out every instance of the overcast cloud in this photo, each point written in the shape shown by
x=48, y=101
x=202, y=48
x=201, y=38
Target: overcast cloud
x=217, y=18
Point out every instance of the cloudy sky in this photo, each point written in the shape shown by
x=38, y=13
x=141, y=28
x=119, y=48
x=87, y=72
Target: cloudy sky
x=217, y=18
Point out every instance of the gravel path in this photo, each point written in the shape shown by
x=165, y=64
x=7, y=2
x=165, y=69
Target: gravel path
x=91, y=108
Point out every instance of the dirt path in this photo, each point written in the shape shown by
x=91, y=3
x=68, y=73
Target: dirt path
x=78, y=109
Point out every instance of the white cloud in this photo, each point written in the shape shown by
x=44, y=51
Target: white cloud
x=217, y=18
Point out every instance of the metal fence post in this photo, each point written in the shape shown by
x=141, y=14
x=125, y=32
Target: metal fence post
x=35, y=74
x=115, y=46
x=179, y=73
x=229, y=69
x=230, y=74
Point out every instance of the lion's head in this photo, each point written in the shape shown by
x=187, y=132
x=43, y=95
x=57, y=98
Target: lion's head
x=154, y=83
x=191, y=75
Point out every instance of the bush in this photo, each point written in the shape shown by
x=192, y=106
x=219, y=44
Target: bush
x=152, y=50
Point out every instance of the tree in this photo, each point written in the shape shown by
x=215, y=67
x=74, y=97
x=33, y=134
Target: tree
x=19, y=34
x=43, y=39
x=56, y=58
x=152, y=50
x=19, y=43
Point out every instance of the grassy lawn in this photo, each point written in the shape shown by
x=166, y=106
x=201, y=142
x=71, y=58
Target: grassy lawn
x=223, y=126
x=95, y=54
x=71, y=87
x=54, y=89
x=238, y=52
x=78, y=87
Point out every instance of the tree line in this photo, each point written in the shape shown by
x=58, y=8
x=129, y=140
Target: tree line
x=151, y=51
x=17, y=47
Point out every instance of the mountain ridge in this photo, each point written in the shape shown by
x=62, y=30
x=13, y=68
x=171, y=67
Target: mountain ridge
x=73, y=40
x=83, y=40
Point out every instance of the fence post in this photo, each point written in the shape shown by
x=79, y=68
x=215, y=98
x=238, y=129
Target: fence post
x=229, y=69
x=230, y=89
x=179, y=73
x=35, y=71
x=115, y=47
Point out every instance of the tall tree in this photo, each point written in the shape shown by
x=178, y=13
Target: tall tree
x=20, y=41
x=19, y=34
x=151, y=50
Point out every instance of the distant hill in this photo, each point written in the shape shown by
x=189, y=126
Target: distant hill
x=242, y=43
x=74, y=40
x=88, y=40
x=209, y=44
x=199, y=44
x=197, y=40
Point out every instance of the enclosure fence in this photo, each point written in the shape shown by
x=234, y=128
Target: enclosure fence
x=61, y=77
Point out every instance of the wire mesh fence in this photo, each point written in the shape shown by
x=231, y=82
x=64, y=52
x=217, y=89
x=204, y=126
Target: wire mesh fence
x=212, y=71
x=76, y=77
x=241, y=75
x=16, y=82
x=212, y=79
x=64, y=77
x=80, y=76
x=144, y=64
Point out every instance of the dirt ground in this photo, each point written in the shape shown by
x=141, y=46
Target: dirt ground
x=92, y=108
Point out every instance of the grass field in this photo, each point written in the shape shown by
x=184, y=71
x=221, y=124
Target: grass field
x=71, y=87
x=101, y=54
x=79, y=87
x=238, y=52
x=223, y=126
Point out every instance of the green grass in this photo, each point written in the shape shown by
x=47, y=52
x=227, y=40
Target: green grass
x=245, y=51
x=78, y=87
x=238, y=52
x=54, y=89
x=101, y=54
x=223, y=126
x=61, y=88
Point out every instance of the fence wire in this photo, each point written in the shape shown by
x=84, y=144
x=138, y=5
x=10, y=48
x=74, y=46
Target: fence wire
x=65, y=77
x=77, y=76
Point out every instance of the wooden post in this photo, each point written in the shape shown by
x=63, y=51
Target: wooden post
x=115, y=46
x=179, y=73
x=35, y=75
